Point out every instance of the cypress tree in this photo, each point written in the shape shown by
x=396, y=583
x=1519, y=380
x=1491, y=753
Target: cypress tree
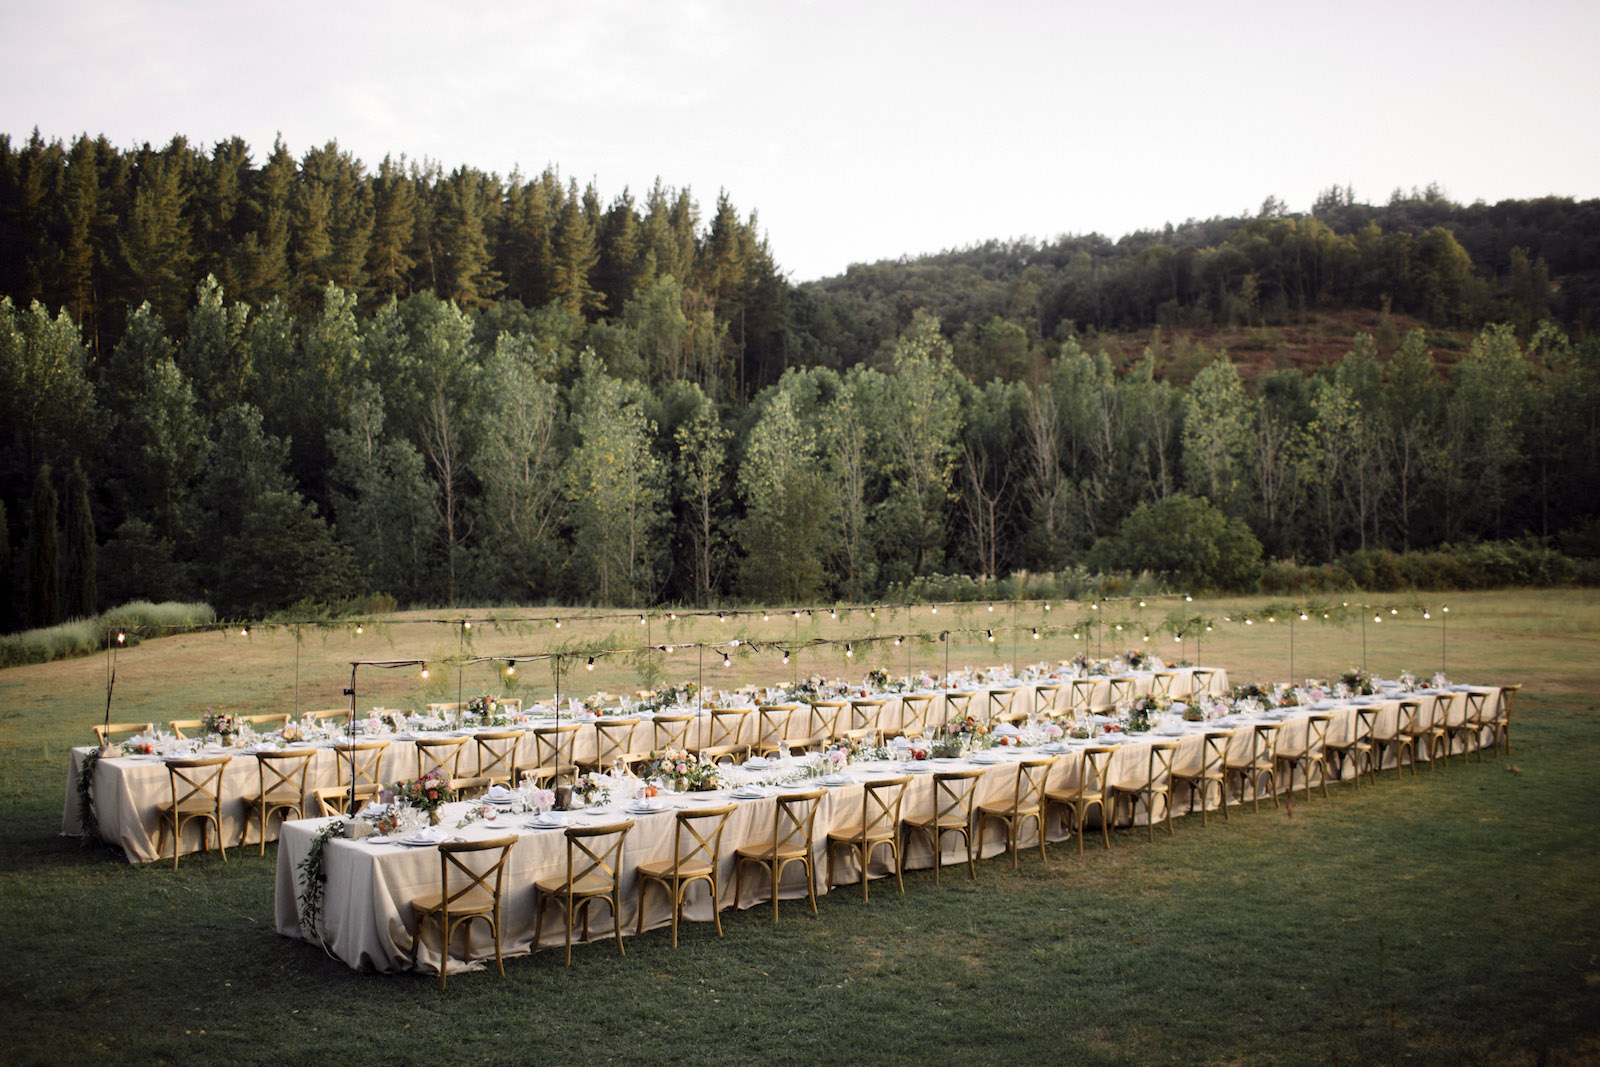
x=8, y=594
x=44, y=555
x=79, y=587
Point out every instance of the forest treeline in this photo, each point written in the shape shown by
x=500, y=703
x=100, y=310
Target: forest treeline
x=259, y=384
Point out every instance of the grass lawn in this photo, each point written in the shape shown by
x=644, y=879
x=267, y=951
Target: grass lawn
x=1451, y=916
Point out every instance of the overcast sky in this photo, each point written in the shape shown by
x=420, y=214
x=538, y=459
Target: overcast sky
x=858, y=130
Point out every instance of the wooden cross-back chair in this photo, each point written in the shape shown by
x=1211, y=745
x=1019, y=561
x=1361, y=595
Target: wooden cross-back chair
x=696, y=857
x=914, y=709
x=280, y=790
x=1026, y=802
x=195, y=797
x=613, y=740
x=726, y=725
x=1357, y=749
x=593, y=874
x=1312, y=754
x=471, y=880
x=1201, y=680
x=1082, y=700
x=441, y=752
x=954, y=793
x=1258, y=763
x=1155, y=783
x=1088, y=791
x=1210, y=769
x=1045, y=698
x=1124, y=689
x=794, y=818
x=773, y=727
x=825, y=716
x=671, y=731
x=879, y=826
x=866, y=713
x=1161, y=683
x=553, y=753
x=104, y=731
x=1000, y=704
x=362, y=763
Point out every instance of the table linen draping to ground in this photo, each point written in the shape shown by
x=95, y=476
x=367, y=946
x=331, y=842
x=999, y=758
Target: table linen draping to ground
x=127, y=790
x=367, y=920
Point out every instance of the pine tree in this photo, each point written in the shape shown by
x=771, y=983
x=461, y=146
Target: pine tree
x=389, y=261
x=44, y=555
x=79, y=585
x=262, y=261
x=155, y=242
x=575, y=257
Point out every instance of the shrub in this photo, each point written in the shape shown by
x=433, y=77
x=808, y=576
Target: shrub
x=82, y=637
x=1186, y=539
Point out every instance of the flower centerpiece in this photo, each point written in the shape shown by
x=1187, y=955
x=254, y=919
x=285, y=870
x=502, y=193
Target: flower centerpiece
x=428, y=793
x=1136, y=659
x=220, y=723
x=484, y=707
x=1439, y=681
x=591, y=789
x=877, y=679
x=965, y=727
x=1358, y=681
x=1408, y=681
x=385, y=818
x=1251, y=691
x=946, y=748
x=1140, y=712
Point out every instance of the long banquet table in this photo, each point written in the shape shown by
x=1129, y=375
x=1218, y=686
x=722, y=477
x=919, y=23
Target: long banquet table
x=127, y=789
x=367, y=920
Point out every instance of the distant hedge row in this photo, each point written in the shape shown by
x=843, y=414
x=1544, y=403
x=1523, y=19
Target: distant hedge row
x=1482, y=565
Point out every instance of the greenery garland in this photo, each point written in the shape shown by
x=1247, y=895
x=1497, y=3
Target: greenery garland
x=315, y=879
x=88, y=821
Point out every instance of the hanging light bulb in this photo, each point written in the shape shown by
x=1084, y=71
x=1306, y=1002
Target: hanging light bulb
x=244, y=631
x=359, y=629
x=1208, y=627
x=1425, y=614
x=1141, y=603
x=1376, y=617
x=1249, y=622
x=849, y=650
x=672, y=614
x=1147, y=639
x=1176, y=638
x=786, y=655
x=722, y=618
x=897, y=642
x=667, y=649
x=796, y=615
x=558, y=624
x=873, y=613
x=1394, y=611
x=1036, y=633
x=1445, y=609
x=1187, y=599
x=590, y=665
x=122, y=636
x=1304, y=617
x=935, y=609
x=767, y=618
x=511, y=667
x=991, y=607
x=466, y=624
x=424, y=672
x=991, y=636
x=725, y=662
x=1047, y=606
x=641, y=620
x=1119, y=627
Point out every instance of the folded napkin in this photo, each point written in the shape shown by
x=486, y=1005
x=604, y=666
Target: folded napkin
x=498, y=793
x=429, y=835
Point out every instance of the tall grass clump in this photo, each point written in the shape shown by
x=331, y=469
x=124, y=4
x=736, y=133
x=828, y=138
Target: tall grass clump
x=1073, y=583
x=81, y=637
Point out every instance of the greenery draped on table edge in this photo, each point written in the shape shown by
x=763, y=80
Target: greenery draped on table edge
x=314, y=880
x=88, y=822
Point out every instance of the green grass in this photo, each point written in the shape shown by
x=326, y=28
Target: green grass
x=1450, y=916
